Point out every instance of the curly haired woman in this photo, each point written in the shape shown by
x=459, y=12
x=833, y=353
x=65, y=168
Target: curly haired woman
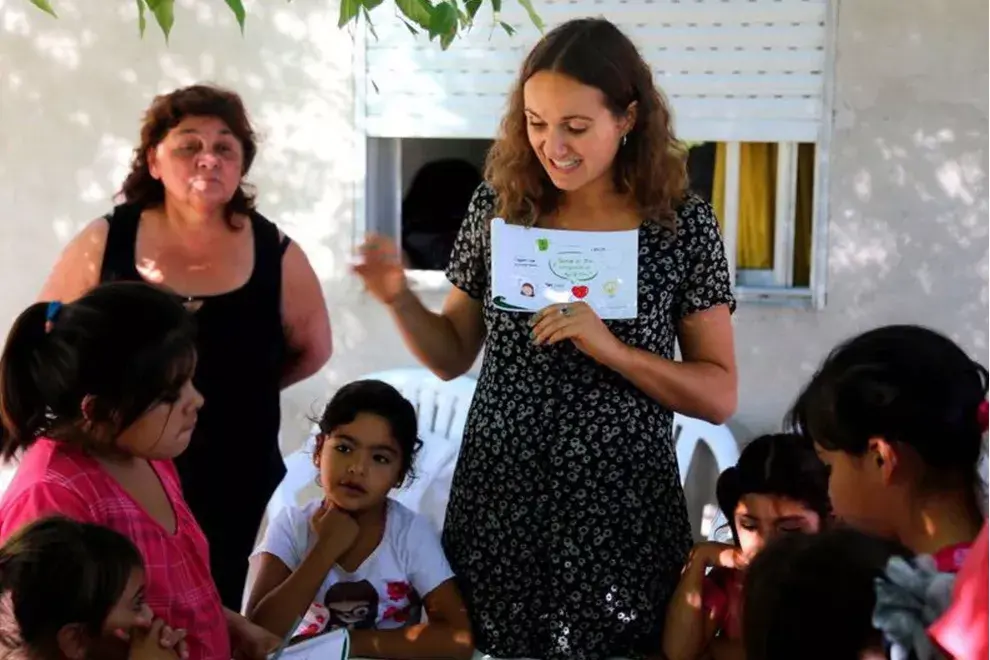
x=567, y=524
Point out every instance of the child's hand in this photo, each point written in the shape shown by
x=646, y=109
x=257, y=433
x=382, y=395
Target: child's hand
x=334, y=527
x=718, y=555
x=148, y=644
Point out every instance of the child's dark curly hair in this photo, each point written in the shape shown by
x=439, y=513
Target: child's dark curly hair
x=376, y=398
x=779, y=464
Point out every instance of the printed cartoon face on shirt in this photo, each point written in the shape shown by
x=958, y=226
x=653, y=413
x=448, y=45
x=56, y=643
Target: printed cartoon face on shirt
x=352, y=605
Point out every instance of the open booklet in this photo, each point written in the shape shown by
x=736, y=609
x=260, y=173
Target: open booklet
x=333, y=645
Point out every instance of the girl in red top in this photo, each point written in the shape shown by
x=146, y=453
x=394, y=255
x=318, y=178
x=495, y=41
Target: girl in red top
x=778, y=487
x=898, y=415
x=98, y=395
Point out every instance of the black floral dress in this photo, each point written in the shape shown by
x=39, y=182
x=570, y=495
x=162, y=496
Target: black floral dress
x=567, y=524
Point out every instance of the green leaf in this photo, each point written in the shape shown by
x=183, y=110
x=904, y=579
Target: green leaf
x=496, y=7
x=417, y=11
x=238, y=9
x=533, y=16
x=142, y=21
x=413, y=31
x=448, y=38
x=444, y=20
x=369, y=5
x=472, y=7
x=162, y=11
x=509, y=30
x=44, y=6
x=348, y=11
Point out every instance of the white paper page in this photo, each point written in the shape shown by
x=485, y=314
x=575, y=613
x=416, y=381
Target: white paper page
x=328, y=646
x=533, y=268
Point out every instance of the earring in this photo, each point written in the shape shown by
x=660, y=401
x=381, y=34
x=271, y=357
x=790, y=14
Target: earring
x=625, y=138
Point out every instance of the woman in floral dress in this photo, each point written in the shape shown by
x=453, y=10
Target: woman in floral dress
x=567, y=524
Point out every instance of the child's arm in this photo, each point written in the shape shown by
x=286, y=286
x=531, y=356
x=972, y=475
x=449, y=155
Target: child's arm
x=280, y=595
x=446, y=635
x=689, y=629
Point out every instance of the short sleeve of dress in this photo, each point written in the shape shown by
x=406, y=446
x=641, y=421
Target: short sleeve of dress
x=707, y=281
x=470, y=264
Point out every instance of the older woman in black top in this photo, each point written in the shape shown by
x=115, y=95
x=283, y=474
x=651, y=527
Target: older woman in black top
x=188, y=222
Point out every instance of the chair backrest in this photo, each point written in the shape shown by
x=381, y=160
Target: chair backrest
x=688, y=432
x=441, y=406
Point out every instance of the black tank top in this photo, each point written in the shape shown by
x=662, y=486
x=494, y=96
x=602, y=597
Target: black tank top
x=233, y=463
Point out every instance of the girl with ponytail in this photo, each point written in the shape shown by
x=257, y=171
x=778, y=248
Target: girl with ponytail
x=96, y=397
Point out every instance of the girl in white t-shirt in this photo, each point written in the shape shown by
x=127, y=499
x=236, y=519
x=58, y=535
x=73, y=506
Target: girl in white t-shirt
x=356, y=559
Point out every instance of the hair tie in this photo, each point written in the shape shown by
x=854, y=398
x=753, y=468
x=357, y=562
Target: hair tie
x=983, y=415
x=54, y=307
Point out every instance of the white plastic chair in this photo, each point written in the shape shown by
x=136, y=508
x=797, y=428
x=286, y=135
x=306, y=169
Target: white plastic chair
x=688, y=432
x=441, y=410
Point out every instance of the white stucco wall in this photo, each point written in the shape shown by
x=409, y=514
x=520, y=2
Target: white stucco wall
x=907, y=237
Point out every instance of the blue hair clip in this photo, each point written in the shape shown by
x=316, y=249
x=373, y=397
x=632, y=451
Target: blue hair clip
x=54, y=307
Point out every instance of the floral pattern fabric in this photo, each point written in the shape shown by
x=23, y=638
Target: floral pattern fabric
x=567, y=525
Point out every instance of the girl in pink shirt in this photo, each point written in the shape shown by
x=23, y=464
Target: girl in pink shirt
x=98, y=396
x=898, y=416
x=778, y=487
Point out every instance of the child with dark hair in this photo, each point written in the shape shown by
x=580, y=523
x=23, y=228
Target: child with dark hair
x=76, y=590
x=97, y=395
x=813, y=597
x=778, y=487
x=356, y=559
x=898, y=416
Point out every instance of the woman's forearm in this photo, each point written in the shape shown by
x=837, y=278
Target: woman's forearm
x=427, y=640
x=704, y=390
x=431, y=337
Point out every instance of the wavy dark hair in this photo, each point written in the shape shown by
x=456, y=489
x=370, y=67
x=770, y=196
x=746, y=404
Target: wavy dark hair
x=778, y=464
x=903, y=383
x=165, y=113
x=376, y=398
x=56, y=572
x=651, y=166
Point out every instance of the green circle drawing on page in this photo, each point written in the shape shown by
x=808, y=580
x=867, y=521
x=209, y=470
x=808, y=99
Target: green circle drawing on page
x=573, y=266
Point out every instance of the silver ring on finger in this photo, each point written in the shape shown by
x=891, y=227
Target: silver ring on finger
x=565, y=310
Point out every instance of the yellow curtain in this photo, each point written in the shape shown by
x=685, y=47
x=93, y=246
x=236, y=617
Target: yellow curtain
x=757, y=200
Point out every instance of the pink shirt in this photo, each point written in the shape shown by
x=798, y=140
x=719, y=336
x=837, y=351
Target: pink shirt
x=54, y=478
x=963, y=630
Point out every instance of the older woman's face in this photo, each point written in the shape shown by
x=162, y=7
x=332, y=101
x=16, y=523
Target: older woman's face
x=200, y=162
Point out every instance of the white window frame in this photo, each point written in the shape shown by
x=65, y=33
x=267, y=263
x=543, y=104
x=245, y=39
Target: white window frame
x=774, y=287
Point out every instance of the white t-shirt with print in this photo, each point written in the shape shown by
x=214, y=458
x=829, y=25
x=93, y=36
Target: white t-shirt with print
x=385, y=591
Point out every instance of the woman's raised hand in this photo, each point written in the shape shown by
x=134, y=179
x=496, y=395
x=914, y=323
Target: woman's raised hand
x=381, y=269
